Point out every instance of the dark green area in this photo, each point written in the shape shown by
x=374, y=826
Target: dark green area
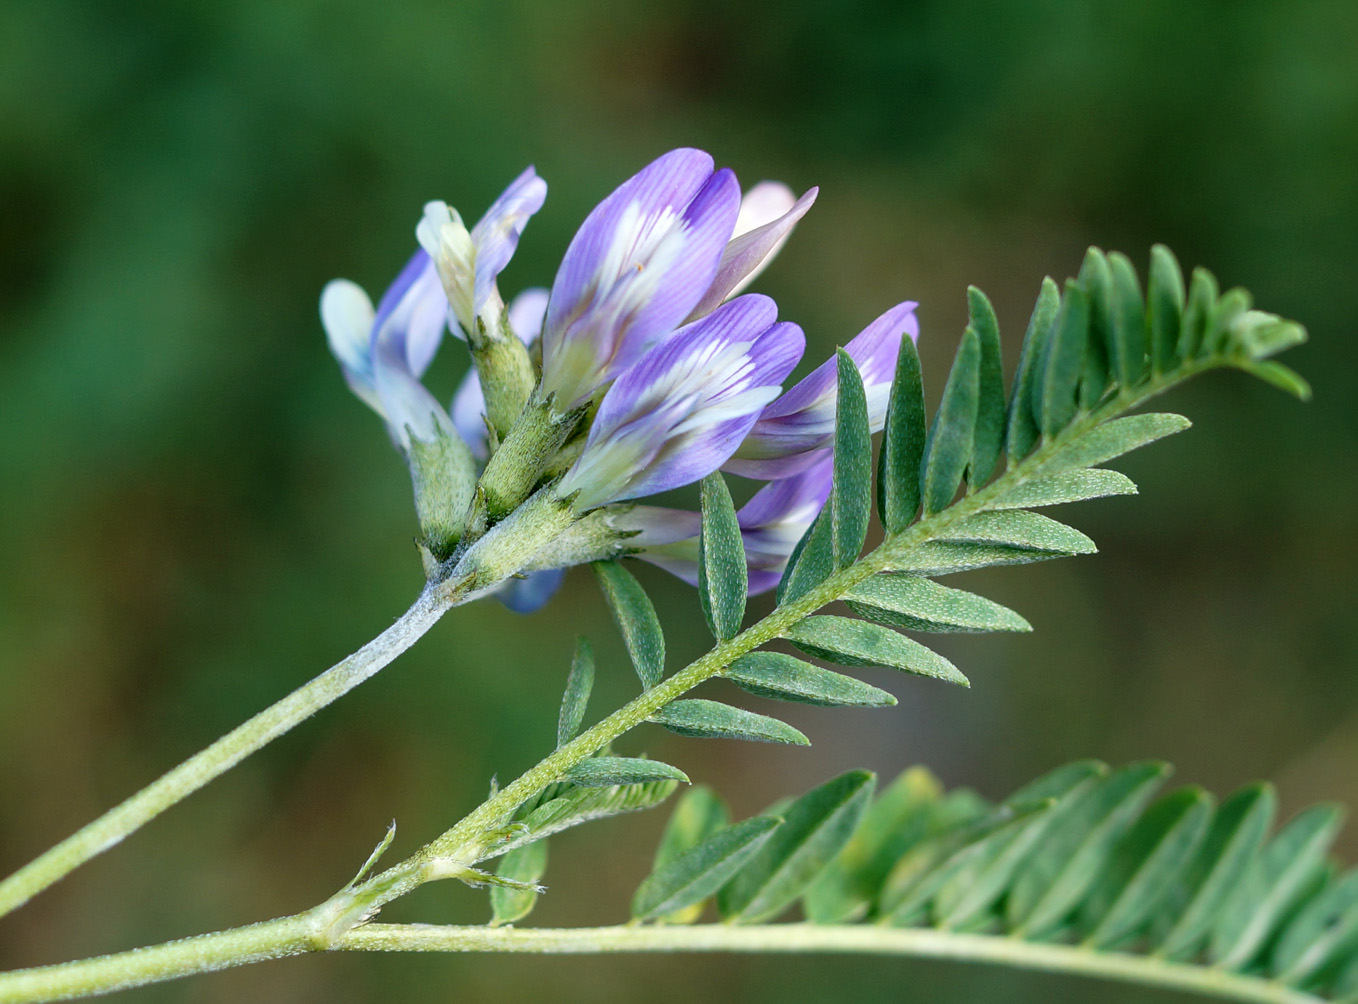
x=196, y=516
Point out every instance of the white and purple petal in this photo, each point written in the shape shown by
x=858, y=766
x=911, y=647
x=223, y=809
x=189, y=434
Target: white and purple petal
x=496, y=234
x=347, y=316
x=802, y=421
x=768, y=212
x=638, y=265
x=682, y=409
x=415, y=310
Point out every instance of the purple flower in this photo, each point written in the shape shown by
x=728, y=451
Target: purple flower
x=638, y=266
x=468, y=262
x=768, y=212
x=771, y=523
x=384, y=352
x=792, y=430
x=469, y=404
x=683, y=408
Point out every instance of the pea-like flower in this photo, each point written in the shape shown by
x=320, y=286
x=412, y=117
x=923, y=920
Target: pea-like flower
x=793, y=430
x=771, y=523
x=682, y=409
x=635, y=270
x=469, y=261
x=385, y=352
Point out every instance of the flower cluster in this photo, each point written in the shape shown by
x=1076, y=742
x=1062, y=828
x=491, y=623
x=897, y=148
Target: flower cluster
x=655, y=370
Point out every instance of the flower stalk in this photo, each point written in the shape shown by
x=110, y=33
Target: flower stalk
x=172, y=787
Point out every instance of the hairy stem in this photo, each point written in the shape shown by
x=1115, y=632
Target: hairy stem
x=227, y=751
x=922, y=943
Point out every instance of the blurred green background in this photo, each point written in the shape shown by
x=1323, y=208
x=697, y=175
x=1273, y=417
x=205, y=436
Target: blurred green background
x=196, y=516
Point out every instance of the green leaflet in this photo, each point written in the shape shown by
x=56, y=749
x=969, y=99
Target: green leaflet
x=1073, y=486
x=714, y=720
x=1062, y=364
x=578, y=686
x=1322, y=934
x=1202, y=301
x=523, y=866
x=836, y=537
x=1022, y=433
x=699, y=872
x=1128, y=350
x=1227, y=312
x=636, y=618
x=722, y=578
x=996, y=841
x=1096, y=279
x=697, y=815
x=1237, y=831
x=902, y=444
x=897, y=819
x=1279, y=376
x=952, y=823
x=812, y=560
x=850, y=500
x=580, y=805
x=816, y=827
x=1082, y=834
x=787, y=678
x=1112, y=439
x=990, y=410
x=606, y=771
x=852, y=642
x=938, y=557
x=1017, y=528
x=956, y=819
x=976, y=883
x=947, y=449
x=1145, y=865
x=1165, y=301
x=917, y=604
x=1276, y=881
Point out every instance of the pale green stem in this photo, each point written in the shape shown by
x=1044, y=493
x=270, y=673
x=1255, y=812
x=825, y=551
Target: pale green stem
x=307, y=933
x=227, y=751
x=858, y=939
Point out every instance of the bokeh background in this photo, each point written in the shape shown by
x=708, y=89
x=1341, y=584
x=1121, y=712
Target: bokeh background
x=195, y=515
